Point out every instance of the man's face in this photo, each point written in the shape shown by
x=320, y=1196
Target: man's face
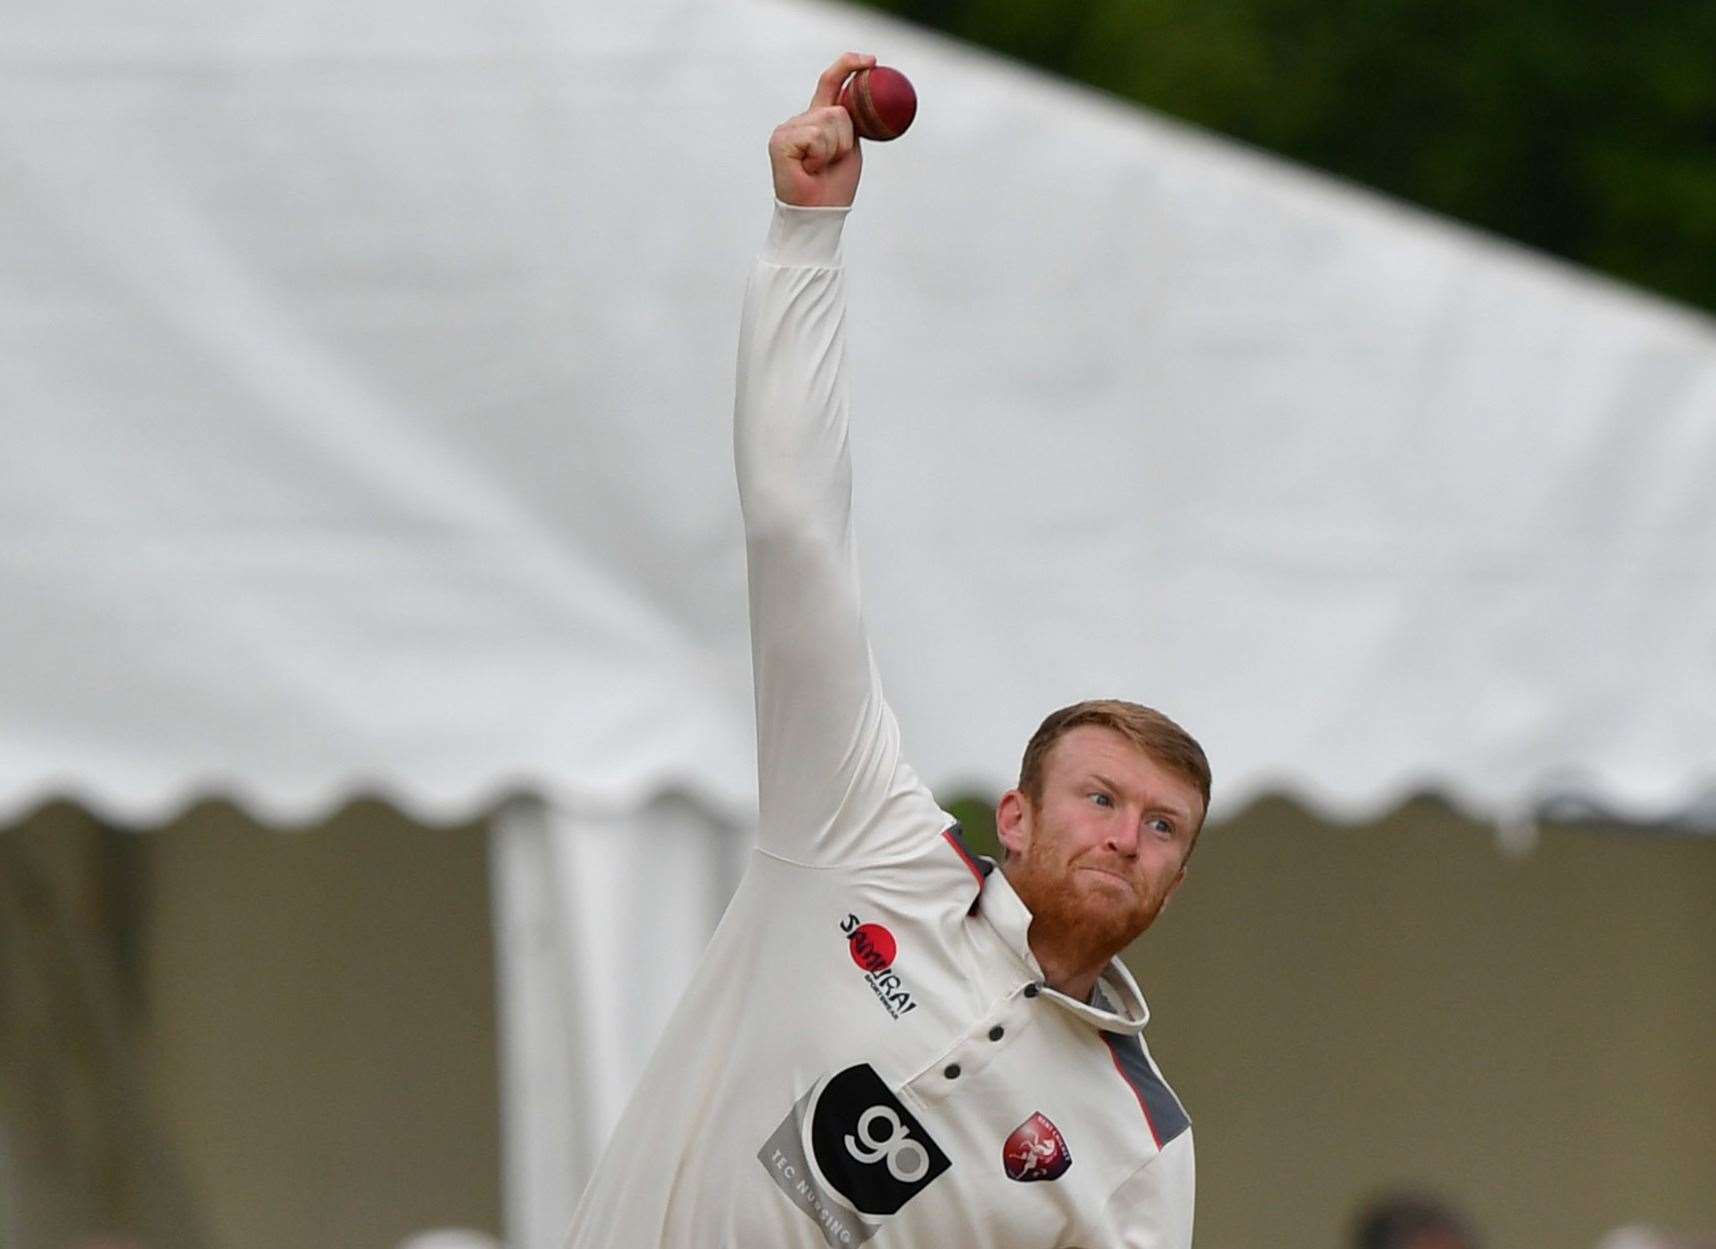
x=1099, y=857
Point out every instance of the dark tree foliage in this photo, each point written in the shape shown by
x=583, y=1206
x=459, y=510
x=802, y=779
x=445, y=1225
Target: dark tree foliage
x=1587, y=130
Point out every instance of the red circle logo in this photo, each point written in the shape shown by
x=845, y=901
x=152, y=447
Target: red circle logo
x=872, y=947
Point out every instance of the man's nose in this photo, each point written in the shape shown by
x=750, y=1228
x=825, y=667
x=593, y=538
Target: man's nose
x=1123, y=837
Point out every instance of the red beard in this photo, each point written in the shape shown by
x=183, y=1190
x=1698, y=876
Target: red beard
x=1086, y=917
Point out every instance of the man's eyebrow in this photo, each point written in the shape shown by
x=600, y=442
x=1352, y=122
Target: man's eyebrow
x=1184, y=816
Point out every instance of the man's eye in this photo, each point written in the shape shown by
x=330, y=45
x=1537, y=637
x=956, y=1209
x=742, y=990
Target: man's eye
x=1163, y=827
x=1102, y=800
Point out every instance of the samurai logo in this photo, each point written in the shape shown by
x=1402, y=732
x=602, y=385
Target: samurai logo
x=873, y=948
x=1036, y=1150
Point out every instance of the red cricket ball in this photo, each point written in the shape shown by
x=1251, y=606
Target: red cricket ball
x=881, y=101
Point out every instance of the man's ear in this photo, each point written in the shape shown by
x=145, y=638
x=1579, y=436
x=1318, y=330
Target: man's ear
x=1013, y=822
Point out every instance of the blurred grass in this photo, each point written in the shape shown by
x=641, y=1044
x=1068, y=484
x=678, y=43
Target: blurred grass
x=1584, y=130
x=976, y=818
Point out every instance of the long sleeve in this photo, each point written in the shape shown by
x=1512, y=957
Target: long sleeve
x=1152, y=1208
x=832, y=785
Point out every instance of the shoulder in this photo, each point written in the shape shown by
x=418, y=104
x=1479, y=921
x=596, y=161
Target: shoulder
x=1164, y=1116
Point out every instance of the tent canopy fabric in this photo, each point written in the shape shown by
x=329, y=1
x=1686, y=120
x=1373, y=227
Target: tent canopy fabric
x=367, y=376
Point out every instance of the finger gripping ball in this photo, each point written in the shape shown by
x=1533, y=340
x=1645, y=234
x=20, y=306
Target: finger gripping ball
x=881, y=101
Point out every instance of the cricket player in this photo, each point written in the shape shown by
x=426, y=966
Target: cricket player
x=891, y=1042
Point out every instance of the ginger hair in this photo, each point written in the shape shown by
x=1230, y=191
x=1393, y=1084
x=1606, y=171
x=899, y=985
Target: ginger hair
x=1153, y=733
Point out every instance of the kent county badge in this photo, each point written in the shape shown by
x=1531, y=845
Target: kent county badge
x=1036, y=1150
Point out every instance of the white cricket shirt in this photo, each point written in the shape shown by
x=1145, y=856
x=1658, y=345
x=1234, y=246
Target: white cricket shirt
x=868, y=1054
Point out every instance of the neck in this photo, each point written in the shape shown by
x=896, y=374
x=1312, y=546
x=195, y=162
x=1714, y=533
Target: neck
x=1065, y=971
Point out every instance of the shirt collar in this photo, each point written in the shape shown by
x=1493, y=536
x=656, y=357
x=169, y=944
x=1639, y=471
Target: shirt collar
x=1005, y=912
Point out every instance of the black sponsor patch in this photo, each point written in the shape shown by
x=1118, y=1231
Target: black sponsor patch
x=869, y=1148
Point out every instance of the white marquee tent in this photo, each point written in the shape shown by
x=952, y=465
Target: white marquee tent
x=366, y=374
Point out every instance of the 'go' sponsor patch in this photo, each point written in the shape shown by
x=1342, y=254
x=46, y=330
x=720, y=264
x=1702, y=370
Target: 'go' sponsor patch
x=848, y=1153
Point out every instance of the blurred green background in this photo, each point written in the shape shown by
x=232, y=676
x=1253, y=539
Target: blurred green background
x=1584, y=130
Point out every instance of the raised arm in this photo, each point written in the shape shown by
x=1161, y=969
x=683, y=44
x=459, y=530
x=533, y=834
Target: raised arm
x=832, y=785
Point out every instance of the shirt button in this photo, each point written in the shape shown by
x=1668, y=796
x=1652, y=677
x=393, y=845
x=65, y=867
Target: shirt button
x=951, y=1071
x=1031, y=990
x=996, y=1033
